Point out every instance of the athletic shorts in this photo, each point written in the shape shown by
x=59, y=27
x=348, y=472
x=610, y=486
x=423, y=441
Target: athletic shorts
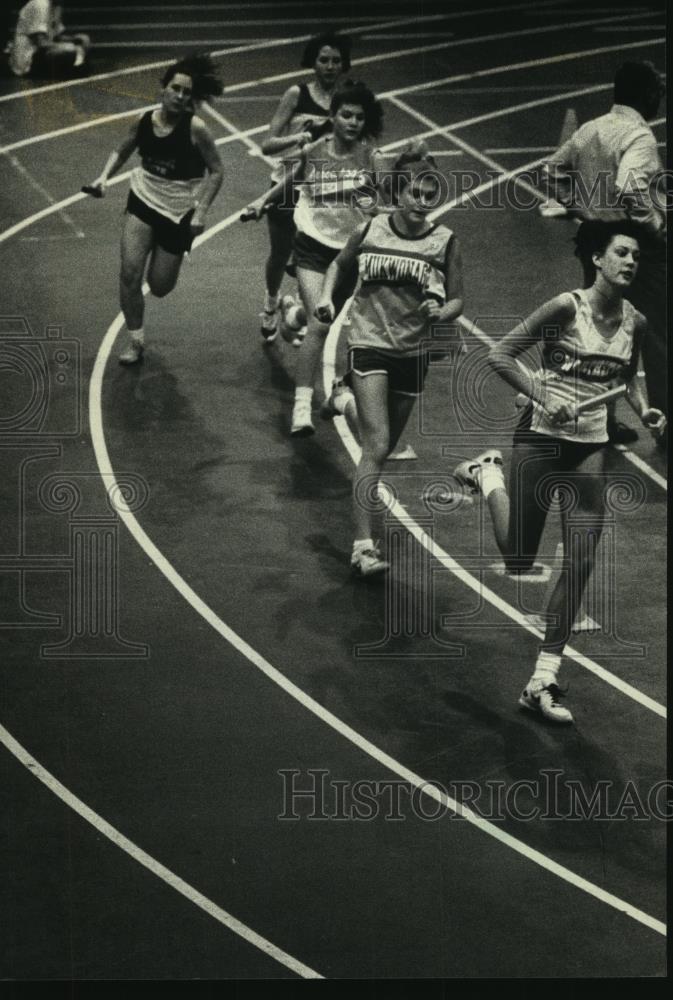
x=406, y=375
x=171, y=236
x=570, y=453
x=314, y=256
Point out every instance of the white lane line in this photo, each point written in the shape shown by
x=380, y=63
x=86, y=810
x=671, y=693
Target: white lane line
x=233, y=130
x=528, y=64
x=640, y=463
x=225, y=22
x=296, y=39
x=279, y=77
x=302, y=38
x=408, y=34
x=639, y=27
x=144, y=67
x=171, y=574
x=151, y=864
x=41, y=190
x=182, y=43
x=165, y=567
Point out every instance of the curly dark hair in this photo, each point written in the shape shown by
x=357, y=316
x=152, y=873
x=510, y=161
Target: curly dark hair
x=335, y=41
x=354, y=92
x=203, y=72
x=594, y=235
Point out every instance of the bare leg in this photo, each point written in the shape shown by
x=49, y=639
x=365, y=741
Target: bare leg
x=163, y=272
x=582, y=528
x=136, y=245
x=280, y=238
x=310, y=288
x=371, y=396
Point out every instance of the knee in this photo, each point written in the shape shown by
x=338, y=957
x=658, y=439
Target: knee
x=131, y=278
x=160, y=287
x=81, y=39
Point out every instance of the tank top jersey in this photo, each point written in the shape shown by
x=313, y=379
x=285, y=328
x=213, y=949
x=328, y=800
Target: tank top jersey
x=307, y=112
x=327, y=209
x=171, y=169
x=395, y=274
x=582, y=364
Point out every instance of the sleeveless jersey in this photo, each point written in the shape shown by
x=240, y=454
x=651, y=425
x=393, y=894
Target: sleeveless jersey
x=307, y=112
x=327, y=209
x=171, y=170
x=396, y=273
x=582, y=364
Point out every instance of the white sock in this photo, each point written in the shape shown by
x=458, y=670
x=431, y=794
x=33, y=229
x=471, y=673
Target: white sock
x=137, y=336
x=270, y=302
x=490, y=477
x=360, y=544
x=342, y=401
x=546, y=670
x=303, y=392
x=292, y=318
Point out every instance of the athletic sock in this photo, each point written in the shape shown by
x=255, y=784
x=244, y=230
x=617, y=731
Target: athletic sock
x=293, y=318
x=137, y=336
x=361, y=544
x=270, y=302
x=490, y=477
x=303, y=393
x=546, y=670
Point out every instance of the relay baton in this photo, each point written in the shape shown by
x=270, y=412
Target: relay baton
x=587, y=404
x=249, y=214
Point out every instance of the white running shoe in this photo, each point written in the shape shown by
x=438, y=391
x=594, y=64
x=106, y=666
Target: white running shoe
x=302, y=425
x=298, y=338
x=340, y=392
x=368, y=562
x=544, y=700
x=288, y=331
x=133, y=353
x=466, y=472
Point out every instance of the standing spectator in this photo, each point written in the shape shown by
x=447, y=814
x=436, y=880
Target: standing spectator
x=609, y=169
x=41, y=46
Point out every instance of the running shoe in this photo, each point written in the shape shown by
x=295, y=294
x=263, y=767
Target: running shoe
x=298, y=338
x=466, y=472
x=302, y=425
x=340, y=392
x=269, y=327
x=133, y=354
x=368, y=562
x=545, y=701
x=289, y=331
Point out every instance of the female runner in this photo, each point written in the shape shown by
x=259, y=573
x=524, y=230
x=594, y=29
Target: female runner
x=301, y=117
x=589, y=339
x=410, y=278
x=335, y=173
x=169, y=196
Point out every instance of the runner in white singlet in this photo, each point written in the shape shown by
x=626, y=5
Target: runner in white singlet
x=589, y=340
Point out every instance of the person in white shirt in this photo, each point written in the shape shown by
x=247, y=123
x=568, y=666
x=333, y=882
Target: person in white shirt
x=610, y=169
x=41, y=46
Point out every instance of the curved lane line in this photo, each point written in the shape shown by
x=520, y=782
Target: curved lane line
x=277, y=42
x=243, y=647
x=150, y=863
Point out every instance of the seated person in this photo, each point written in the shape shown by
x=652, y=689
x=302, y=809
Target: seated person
x=41, y=46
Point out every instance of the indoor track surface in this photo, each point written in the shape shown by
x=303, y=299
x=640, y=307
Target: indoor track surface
x=184, y=651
